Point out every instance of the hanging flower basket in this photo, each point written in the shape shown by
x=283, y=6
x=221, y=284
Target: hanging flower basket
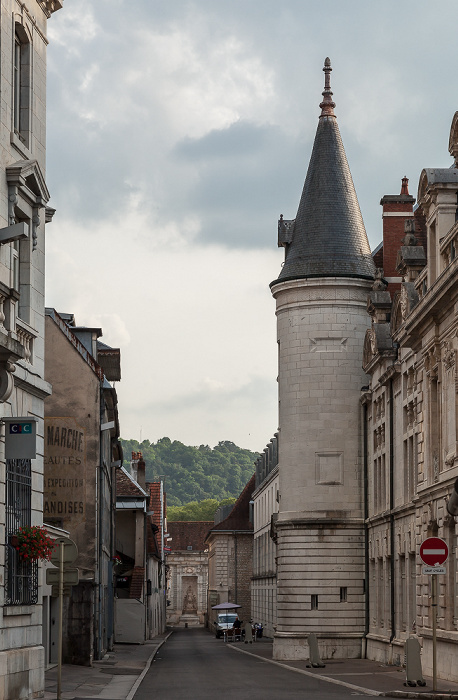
x=33, y=543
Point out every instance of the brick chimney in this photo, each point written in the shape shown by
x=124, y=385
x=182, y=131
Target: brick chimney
x=137, y=469
x=396, y=209
x=141, y=478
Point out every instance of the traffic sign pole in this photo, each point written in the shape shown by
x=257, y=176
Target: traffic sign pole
x=61, y=611
x=434, y=553
x=434, y=607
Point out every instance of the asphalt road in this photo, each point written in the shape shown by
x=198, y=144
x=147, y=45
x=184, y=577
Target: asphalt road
x=194, y=665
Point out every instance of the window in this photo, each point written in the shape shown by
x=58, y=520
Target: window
x=21, y=85
x=314, y=601
x=21, y=576
x=343, y=594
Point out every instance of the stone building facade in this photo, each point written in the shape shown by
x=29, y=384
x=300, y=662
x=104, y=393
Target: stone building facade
x=265, y=511
x=23, y=215
x=156, y=558
x=82, y=451
x=410, y=411
x=368, y=434
x=187, y=579
x=230, y=558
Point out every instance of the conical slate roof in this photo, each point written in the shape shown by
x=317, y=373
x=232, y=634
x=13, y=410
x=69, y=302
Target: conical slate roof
x=328, y=235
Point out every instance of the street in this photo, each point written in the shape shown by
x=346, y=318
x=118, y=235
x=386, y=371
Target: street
x=194, y=664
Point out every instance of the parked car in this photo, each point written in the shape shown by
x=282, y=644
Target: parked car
x=224, y=622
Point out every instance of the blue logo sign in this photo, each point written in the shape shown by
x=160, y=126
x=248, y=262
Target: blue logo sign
x=18, y=428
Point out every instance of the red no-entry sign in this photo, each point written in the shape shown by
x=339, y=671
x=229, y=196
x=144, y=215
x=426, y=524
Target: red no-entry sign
x=434, y=551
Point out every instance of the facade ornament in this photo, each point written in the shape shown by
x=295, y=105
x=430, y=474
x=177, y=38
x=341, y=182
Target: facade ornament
x=6, y=380
x=327, y=106
x=12, y=201
x=409, y=229
x=373, y=341
x=404, y=303
x=35, y=225
x=379, y=283
x=449, y=354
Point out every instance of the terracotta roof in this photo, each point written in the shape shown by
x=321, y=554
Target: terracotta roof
x=188, y=534
x=154, y=492
x=239, y=517
x=136, y=583
x=126, y=486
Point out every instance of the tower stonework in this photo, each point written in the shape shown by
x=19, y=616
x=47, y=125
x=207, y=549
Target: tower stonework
x=321, y=297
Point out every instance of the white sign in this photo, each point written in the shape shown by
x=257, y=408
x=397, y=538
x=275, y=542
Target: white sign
x=434, y=570
x=20, y=437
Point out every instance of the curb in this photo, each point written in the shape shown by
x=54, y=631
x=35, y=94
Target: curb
x=438, y=695
x=135, y=686
x=351, y=686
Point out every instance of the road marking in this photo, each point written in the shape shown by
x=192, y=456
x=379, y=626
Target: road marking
x=364, y=691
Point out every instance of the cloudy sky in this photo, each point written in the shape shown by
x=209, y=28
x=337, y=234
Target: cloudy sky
x=178, y=132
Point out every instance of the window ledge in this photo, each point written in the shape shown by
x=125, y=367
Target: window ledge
x=20, y=146
x=18, y=610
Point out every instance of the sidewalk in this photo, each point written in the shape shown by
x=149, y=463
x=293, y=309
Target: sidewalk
x=114, y=678
x=360, y=675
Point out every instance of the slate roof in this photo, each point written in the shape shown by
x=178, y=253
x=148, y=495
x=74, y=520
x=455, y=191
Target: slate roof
x=239, y=517
x=329, y=238
x=185, y=534
x=441, y=175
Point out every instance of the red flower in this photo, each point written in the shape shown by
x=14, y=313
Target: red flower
x=34, y=543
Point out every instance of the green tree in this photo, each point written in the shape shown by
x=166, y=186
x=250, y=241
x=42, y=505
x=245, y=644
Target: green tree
x=203, y=510
x=194, y=473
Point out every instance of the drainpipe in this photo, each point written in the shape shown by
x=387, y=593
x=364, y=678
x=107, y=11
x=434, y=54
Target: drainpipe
x=392, y=543
x=100, y=523
x=366, y=530
x=235, y=566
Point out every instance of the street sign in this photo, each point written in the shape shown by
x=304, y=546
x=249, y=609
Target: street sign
x=20, y=437
x=70, y=551
x=433, y=551
x=434, y=570
x=55, y=591
x=70, y=577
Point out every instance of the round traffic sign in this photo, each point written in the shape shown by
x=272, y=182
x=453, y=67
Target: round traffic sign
x=70, y=551
x=434, y=551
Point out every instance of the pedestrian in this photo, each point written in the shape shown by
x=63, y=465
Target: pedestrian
x=248, y=632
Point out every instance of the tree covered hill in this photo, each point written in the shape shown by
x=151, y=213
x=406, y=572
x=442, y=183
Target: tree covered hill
x=194, y=473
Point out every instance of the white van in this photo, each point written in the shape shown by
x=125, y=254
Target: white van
x=225, y=621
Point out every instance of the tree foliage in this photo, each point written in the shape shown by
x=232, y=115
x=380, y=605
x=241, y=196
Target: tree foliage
x=194, y=473
x=203, y=510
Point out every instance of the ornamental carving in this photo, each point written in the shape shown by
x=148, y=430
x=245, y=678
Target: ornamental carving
x=404, y=303
x=449, y=354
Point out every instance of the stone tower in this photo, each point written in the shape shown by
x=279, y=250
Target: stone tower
x=321, y=295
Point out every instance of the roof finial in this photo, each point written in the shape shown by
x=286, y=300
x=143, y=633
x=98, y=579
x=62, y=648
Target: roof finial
x=327, y=106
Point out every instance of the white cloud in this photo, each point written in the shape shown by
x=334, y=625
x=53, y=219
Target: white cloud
x=177, y=134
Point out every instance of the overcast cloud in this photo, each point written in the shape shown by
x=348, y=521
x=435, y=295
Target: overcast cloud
x=178, y=132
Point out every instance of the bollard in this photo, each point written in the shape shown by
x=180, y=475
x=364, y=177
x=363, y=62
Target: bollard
x=314, y=654
x=413, y=663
